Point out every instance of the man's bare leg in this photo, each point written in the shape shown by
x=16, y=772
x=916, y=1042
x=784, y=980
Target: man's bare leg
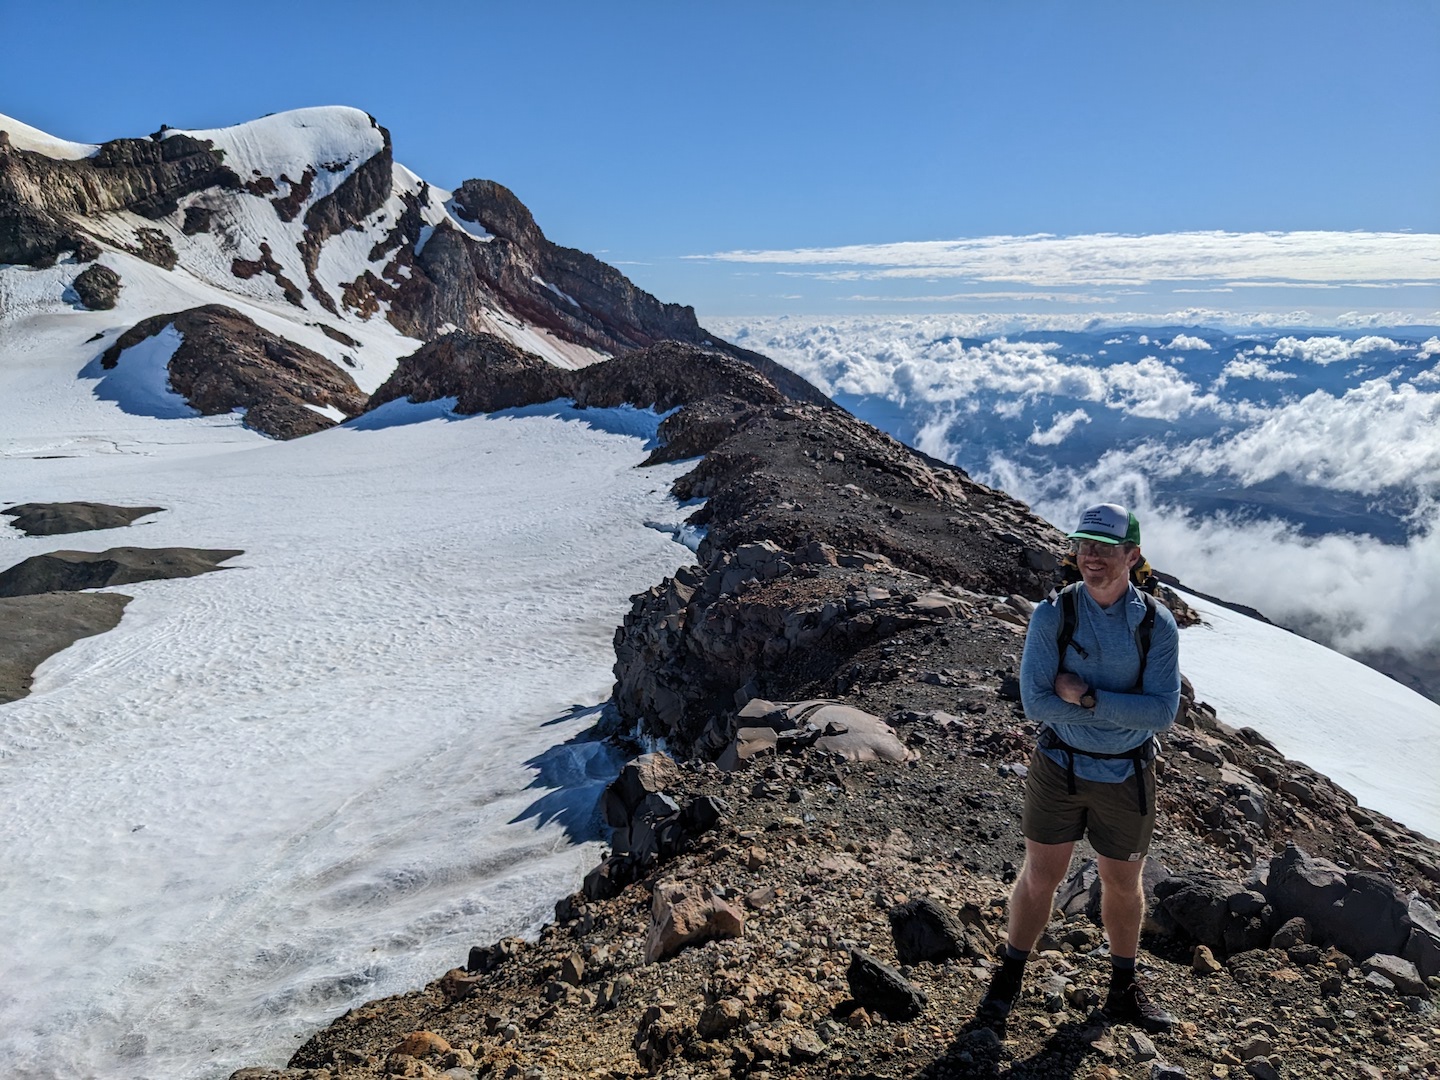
x=1033, y=897
x=1122, y=907
x=1122, y=903
x=1030, y=904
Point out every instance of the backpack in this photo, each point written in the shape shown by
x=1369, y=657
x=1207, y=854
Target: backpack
x=1068, y=600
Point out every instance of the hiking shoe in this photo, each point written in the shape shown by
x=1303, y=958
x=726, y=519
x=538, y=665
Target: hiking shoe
x=1003, y=993
x=1129, y=1004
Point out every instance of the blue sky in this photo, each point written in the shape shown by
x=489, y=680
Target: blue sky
x=650, y=133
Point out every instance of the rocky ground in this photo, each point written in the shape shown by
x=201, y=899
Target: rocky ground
x=43, y=605
x=829, y=902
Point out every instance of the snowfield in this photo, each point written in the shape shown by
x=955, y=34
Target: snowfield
x=318, y=777
x=1374, y=737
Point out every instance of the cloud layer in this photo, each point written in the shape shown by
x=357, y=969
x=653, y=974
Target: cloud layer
x=1178, y=427
x=1110, y=259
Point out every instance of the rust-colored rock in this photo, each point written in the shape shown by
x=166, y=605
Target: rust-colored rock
x=684, y=914
x=421, y=1044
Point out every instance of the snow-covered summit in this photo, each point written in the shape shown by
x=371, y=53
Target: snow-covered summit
x=25, y=137
x=305, y=217
x=331, y=139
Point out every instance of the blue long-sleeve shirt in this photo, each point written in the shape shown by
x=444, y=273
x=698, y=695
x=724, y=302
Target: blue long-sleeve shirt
x=1121, y=720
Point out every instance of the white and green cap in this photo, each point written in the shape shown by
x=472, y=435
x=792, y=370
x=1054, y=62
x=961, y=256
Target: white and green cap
x=1108, y=523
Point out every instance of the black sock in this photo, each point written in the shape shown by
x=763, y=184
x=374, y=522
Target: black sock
x=1122, y=970
x=1015, y=957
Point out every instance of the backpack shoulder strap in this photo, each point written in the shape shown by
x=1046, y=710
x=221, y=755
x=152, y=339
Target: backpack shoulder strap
x=1069, y=616
x=1142, y=636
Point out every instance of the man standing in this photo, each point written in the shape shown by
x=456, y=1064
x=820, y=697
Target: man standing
x=1101, y=676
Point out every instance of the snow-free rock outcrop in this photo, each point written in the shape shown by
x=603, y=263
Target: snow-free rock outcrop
x=34, y=628
x=45, y=201
x=73, y=571
x=226, y=361
x=484, y=372
x=53, y=519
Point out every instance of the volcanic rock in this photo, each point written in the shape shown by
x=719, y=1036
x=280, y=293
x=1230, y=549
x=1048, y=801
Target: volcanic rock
x=98, y=287
x=684, y=915
x=43, y=201
x=34, y=628
x=226, y=362
x=53, y=519
x=880, y=988
x=72, y=571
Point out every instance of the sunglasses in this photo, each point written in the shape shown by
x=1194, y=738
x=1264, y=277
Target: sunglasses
x=1097, y=549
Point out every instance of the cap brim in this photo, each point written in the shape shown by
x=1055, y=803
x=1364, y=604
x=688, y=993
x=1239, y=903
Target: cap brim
x=1096, y=536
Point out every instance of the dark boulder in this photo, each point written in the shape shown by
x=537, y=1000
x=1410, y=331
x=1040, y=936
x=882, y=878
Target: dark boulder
x=1359, y=913
x=98, y=287
x=1423, y=948
x=197, y=220
x=1213, y=911
x=880, y=988
x=925, y=930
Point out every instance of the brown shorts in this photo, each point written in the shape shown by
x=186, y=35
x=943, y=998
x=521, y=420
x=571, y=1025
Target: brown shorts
x=1109, y=814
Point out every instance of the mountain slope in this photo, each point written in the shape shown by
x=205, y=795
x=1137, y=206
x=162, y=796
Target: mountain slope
x=306, y=216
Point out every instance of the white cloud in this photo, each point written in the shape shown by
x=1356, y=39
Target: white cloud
x=1251, y=368
x=909, y=362
x=1349, y=591
x=1430, y=347
x=1154, y=390
x=1061, y=425
x=1427, y=378
x=1375, y=436
x=1188, y=341
x=1294, y=258
x=1328, y=350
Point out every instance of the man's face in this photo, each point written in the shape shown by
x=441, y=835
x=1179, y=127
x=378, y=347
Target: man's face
x=1104, y=566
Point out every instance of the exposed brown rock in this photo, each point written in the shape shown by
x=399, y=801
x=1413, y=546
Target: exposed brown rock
x=361, y=193
x=484, y=373
x=43, y=201
x=683, y=915
x=34, y=628
x=227, y=362
x=197, y=220
x=154, y=246
x=53, y=519
x=288, y=206
x=268, y=264
x=72, y=571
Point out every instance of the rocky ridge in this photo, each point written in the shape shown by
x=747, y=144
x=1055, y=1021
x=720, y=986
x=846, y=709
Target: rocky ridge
x=828, y=902
x=44, y=201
